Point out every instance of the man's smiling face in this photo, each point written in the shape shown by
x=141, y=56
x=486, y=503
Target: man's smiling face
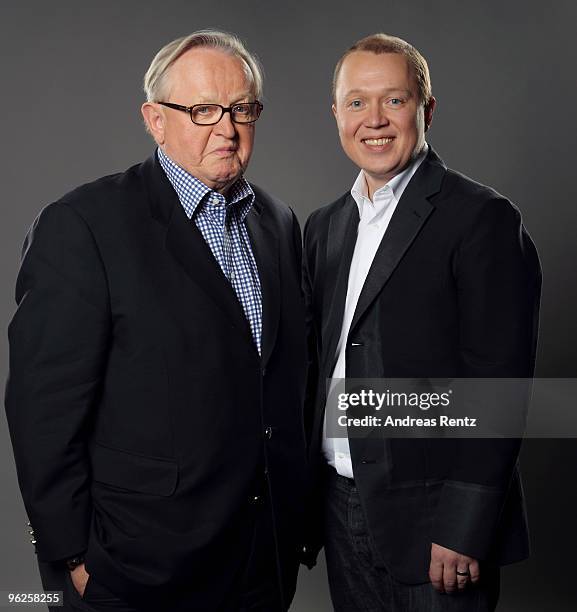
x=380, y=118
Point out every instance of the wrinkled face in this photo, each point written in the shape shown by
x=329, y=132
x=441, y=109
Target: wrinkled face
x=216, y=154
x=380, y=120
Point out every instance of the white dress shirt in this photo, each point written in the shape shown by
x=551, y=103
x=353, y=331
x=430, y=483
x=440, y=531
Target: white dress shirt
x=374, y=217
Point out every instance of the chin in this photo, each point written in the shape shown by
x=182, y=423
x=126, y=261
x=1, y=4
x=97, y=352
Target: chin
x=380, y=172
x=229, y=172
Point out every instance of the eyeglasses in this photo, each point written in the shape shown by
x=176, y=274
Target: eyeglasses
x=210, y=114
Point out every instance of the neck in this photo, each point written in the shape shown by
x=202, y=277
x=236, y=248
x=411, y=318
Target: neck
x=375, y=184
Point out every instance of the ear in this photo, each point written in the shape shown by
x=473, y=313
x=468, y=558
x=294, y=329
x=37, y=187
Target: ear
x=154, y=119
x=429, y=109
x=334, y=109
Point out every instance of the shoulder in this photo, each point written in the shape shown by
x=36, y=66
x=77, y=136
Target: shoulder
x=104, y=195
x=273, y=206
x=473, y=200
x=481, y=221
x=76, y=216
x=319, y=218
x=460, y=184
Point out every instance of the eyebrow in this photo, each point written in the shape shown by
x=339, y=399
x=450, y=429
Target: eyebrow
x=204, y=99
x=354, y=92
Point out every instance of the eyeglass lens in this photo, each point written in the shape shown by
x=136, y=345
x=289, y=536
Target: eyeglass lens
x=211, y=113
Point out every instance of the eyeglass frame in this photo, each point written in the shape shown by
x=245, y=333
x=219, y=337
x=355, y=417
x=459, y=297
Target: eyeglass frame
x=224, y=109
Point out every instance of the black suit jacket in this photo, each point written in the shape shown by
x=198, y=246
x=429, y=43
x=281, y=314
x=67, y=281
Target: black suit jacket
x=453, y=292
x=142, y=417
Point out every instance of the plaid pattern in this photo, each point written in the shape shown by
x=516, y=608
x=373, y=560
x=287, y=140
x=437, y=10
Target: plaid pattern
x=221, y=222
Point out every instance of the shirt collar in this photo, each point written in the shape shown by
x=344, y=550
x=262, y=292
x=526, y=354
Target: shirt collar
x=393, y=189
x=192, y=191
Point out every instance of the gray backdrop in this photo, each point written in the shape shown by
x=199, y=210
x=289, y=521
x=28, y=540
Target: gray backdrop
x=504, y=78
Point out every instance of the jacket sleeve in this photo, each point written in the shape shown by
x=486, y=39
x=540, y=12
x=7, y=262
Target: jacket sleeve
x=58, y=345
x=498, y=281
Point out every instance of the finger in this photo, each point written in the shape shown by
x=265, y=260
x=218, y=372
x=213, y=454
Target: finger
x=462, y=580
x=436, y=575
x=450, y=577
x=474, y=572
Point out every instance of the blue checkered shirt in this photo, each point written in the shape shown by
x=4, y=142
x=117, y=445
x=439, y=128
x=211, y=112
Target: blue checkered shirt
x=221, y=222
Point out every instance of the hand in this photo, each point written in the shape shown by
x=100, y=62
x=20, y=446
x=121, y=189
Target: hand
x=79, y=577
x=444, y=566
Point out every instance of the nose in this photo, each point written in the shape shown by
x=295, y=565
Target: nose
x=376, y=116
x=226, y=126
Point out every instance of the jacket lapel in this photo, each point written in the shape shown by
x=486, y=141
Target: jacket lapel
x=265, y=247
x=342, y=235
x=409, y=217
x=186, y=244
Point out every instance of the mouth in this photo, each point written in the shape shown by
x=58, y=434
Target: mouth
x=225, y=151
x=377, y=144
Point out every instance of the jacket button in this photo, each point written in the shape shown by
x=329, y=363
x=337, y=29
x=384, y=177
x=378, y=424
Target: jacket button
x=268, y=433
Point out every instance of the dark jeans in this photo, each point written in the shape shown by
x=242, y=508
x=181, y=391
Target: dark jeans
x=356, y=585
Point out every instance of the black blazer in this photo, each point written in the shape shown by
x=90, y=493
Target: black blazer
x=453, y=292
x=142, y=417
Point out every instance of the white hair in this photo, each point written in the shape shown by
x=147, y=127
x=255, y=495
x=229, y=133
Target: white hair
x=156, y=75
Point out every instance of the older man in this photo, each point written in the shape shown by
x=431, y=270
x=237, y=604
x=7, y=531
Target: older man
x=417, y=272
x=157, y=362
